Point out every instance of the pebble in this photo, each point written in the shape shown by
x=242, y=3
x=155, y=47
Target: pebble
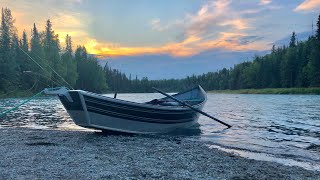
x=55, y=154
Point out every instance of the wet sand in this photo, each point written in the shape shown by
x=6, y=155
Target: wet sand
x=52, y=154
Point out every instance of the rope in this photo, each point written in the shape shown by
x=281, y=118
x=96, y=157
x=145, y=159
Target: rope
x=22, y=103
x=27, y=100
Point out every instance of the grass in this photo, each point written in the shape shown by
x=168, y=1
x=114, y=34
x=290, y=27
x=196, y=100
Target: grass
x=315, y=90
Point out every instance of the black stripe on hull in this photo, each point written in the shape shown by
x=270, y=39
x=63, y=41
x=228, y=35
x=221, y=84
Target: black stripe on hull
x=134, y=118
x=136, y=112
x=135, y=107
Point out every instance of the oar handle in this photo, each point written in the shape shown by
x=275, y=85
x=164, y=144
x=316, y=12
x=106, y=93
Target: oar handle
x=189, y=106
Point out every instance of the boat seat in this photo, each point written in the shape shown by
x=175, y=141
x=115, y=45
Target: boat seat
x=173, y=103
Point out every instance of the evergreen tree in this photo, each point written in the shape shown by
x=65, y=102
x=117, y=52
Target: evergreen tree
x=7, y=61
x=24, y=63
x=39, y=75
x=293, y=40
x=318, y=28
x=91, y=75
x=314, y=63
x=69, y=63
x=51, y=50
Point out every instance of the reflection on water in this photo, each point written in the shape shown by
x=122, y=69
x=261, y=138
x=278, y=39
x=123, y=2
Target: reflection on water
x=41, y=113
x=281, y=128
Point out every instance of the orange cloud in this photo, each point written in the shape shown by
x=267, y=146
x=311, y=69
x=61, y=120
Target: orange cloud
x=308, y=5
x=265, y=2
x=191, y=46
x=239, y=24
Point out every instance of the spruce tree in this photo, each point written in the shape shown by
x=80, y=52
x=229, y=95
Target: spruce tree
x=69, y=63
x=7, y=61
x=51, y=50
x=293, y=40
x=318, y=29
x=25, y=64
x=37, y=52
x=314, y=63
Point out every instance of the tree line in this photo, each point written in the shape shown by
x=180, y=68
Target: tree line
x=31, y=65
x=294, y=65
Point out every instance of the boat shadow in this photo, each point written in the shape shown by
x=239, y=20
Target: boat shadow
x=113, y=133
x=192, y=131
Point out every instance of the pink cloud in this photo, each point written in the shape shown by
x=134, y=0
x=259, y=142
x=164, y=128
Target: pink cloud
x=265, y=2
x=308, y=5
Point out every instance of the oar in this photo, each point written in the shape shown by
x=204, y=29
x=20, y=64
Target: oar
x=189, y=106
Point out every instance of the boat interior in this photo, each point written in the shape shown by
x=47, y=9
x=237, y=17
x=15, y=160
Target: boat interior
x=192, y=97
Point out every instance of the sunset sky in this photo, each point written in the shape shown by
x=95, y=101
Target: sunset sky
x=178, y=28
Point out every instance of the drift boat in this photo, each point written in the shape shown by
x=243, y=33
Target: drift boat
x=96, y=111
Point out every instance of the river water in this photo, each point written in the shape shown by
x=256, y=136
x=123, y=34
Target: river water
x=278, y=128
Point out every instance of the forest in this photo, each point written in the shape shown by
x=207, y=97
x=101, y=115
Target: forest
x=32, y=63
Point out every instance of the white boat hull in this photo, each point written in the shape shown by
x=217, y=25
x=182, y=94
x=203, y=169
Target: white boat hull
x=103, y=122
x=100, y=112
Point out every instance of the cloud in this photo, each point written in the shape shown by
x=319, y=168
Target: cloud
x=308, y=5
x=64, y=19
x=72, y=24
x=216, y=25
x=190, y=46
x=156, y=25
x=265, y=2
x=239, y=24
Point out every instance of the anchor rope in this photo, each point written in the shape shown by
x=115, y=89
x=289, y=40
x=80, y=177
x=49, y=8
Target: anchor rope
x=25, y=101
x=22, y=103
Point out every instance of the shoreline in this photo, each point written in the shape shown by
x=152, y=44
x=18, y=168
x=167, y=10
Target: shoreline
x=289, y=91
x=31, y=153
x=297, y=91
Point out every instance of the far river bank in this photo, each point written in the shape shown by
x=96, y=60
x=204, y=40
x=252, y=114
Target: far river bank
x=313, y=91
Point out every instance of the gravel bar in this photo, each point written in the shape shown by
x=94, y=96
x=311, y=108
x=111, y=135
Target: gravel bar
x=55, y=154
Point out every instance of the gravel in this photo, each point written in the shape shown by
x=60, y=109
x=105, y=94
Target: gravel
x=55, y=154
